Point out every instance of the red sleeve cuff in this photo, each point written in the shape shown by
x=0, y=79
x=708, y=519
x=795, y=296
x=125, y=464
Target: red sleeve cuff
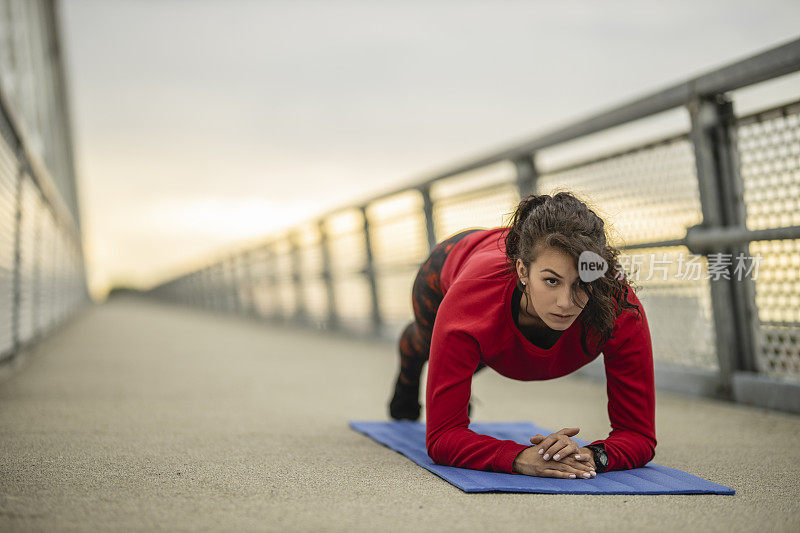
x=504, y=460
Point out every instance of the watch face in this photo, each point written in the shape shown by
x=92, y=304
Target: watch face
x=603, y=458
x=600, y=457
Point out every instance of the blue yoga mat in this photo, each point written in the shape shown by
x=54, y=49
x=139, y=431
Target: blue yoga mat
x=408, y=438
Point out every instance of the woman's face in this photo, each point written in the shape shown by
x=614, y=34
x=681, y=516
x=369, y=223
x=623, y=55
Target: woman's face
x=548, y=282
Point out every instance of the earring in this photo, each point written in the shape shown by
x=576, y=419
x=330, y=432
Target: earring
x=523, y=283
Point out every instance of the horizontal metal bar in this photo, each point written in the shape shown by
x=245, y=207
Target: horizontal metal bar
x=654, y=244
x=700, y=239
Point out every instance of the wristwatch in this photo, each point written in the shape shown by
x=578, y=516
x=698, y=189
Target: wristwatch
x=600, y=456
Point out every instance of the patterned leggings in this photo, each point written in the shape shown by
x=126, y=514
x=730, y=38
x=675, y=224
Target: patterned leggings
x=415, y=341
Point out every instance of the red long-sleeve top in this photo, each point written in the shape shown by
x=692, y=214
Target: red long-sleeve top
x=474, y=324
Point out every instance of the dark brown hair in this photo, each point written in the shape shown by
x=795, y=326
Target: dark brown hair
x=565, y=222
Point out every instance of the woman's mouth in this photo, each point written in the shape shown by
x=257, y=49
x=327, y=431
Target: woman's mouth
x=561, y=317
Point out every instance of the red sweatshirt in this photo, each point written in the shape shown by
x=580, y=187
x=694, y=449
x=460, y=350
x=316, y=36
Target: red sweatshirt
x=474, y=324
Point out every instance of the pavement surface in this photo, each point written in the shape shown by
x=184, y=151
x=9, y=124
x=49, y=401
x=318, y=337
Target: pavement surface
x=142, y=416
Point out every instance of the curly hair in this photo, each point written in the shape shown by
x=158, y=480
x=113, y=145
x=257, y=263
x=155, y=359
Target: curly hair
x=565, y=222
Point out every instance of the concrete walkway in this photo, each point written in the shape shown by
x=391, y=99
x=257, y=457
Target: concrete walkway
x=141, y=416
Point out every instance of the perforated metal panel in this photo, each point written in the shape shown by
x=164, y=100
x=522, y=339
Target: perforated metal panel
x=778, y=302
x=347, y=248
x=45, y=295
x=29, y=79
x=675, y=292
x=262, y=292
x=353, y=301
x=284, y=277
x=346, y=243
x=397, y=230
x=769, y=153
x=8, y=213
x=394, y=295
x=400, y=243
x=647, y=195
x=486, y=208
x=31, y=208
x=308, y=239
x=240, y=285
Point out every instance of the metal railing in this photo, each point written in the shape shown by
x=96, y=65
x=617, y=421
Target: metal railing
x=729, y=185
x=41, y=258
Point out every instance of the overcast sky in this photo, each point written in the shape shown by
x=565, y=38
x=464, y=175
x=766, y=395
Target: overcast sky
x=199, y=124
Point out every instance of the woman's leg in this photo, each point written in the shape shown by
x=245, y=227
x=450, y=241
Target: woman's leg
x=415, y=341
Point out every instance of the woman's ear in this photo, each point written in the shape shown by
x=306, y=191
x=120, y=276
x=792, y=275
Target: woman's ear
x=522, y=272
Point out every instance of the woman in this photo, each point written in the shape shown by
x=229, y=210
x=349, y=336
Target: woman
x=512, y=299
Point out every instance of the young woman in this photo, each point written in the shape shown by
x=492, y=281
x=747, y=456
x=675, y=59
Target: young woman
x=512, y=299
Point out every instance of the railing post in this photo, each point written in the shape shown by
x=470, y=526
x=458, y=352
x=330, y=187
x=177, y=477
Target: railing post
x=233, y=265
x=720, y=185
x=297, y=279
x=208, y=284
x=197, y=288
x=427, y=209
x=276, y=305
x=527, y=175
x=222, y=289
x=214, y=275
x=246, y=262
x=327, y=275
x=224, y=285
x=370, y=272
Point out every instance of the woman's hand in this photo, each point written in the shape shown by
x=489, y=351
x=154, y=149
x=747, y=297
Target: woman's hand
x=531, y=463
x=559, y=445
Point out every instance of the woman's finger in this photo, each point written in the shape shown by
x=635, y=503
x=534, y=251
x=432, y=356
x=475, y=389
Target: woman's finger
x=555, y=448
x=564, y=452
x=579, y=470
x=578, y=465
x=536, y=439
x=567, y=473
x=569, y=432
x=560, y=473
x=546, y=443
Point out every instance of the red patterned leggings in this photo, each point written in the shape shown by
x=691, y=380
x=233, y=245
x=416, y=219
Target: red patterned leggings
x=426, y=295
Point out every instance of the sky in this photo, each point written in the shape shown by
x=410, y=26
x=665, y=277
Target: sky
x=200, y=126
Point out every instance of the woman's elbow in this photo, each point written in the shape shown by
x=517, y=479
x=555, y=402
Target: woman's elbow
x=437, y=454
x=651, y=451
x=433, y=452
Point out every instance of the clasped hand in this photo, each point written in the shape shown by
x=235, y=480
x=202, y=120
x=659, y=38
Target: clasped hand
x=556, y=455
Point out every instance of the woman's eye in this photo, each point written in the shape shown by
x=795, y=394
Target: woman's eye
x=554, y=280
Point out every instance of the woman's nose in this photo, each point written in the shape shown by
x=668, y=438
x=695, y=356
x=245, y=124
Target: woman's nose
x=564, y=300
